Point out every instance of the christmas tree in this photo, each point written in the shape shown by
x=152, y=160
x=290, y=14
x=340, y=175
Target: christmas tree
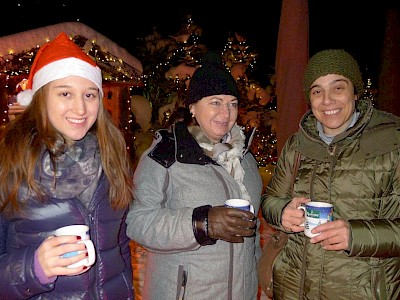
x=169, y=62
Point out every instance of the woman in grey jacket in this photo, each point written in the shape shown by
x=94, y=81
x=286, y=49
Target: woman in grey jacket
x=349, y=157
x=199, y=249
x=63, y=162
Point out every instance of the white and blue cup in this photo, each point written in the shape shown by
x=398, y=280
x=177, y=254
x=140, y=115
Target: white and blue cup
x=83, y=232
x=316, y=213
x=240, y=204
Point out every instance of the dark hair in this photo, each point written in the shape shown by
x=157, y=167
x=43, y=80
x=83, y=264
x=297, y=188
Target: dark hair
x=181, y=114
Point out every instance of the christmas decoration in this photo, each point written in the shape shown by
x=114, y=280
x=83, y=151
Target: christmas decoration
x=170, y=62
x=369, y=91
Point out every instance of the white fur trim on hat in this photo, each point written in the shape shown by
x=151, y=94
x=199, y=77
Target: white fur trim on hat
x=59, y=69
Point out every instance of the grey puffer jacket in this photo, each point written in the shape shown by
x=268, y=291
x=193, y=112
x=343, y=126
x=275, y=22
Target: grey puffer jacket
x=109, y=278
x=359, y=173
x=173, y=177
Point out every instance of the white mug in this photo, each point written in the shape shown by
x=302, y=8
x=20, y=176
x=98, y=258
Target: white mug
x=83, y=232
x=316, y=213
x=240, y=204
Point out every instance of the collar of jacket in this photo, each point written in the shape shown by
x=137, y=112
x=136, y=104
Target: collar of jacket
x=308, y=123
x=179, y=145
x=187, y=149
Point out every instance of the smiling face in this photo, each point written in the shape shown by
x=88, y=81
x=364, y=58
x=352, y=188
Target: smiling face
x=216, y=115
x=333, y=102
x=72, y=105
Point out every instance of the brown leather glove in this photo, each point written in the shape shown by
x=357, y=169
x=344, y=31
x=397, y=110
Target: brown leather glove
x=230, y=224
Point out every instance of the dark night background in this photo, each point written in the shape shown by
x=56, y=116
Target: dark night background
x=356, y=26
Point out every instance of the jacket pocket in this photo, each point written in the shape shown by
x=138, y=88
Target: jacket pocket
x=181, y=283
x=378, y=283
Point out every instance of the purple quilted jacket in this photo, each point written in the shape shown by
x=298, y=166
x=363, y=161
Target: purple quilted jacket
x=109, y=278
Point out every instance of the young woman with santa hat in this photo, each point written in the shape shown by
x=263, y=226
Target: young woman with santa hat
x=63, y=162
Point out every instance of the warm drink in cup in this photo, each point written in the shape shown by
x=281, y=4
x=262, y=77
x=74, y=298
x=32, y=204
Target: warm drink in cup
x=83, y=232
x=240, y=204
x=316, y=213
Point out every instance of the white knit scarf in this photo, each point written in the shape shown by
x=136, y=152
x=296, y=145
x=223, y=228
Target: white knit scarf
x=228, y=153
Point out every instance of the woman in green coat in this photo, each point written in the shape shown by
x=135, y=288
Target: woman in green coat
x=349, y=157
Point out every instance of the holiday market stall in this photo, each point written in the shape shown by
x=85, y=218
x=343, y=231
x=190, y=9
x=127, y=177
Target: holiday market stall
x=121, y=70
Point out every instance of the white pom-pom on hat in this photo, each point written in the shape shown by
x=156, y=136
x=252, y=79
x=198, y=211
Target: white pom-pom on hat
x=25, y=97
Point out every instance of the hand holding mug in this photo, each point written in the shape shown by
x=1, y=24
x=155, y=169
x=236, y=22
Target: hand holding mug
x=316, y=213
x=82, y=233
x=49, y=255
x=230, y=225
x=334, y=235
x=292, y=217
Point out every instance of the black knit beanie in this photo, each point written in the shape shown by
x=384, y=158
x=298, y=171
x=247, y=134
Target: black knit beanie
x=333, y=61
x=211, y=79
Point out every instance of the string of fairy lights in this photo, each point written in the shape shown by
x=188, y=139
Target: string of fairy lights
x=113, y=68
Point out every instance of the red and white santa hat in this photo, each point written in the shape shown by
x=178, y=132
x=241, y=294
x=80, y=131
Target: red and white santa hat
x=58, y=59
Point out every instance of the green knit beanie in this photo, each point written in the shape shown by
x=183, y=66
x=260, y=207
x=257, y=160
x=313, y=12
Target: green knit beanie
x=333, y=61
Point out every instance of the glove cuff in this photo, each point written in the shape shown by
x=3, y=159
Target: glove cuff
x=200, y=225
